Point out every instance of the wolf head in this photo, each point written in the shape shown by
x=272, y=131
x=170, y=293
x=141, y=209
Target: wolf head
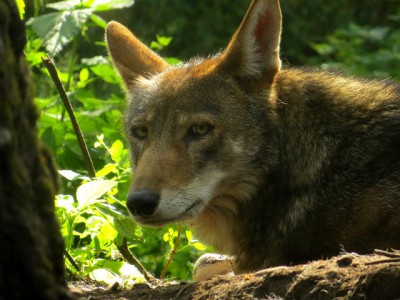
x=198, y=132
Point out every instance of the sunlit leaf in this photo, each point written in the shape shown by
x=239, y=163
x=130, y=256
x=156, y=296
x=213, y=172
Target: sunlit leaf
x=84, y=74
x=156, y=46
x=106, y=73
x=72, y=175
x=107, y=169
x=166, y=237
x=59, y=28
x=172, y=60
x=126, y=226
x=116, y=150
x=164, y=40
x=65, y=201
x=103, y=5
x=198, y=246
x=130, y=271
x=64, y=5
x=99, y=21
x=21, y=8
x=105, y=276
x=189, y=235
x=107, y=232
x=93, y=190
x=114, y=210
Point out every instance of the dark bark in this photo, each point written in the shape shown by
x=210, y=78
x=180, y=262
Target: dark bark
x=31, y=248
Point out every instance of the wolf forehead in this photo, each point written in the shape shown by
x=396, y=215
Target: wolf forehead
x=187, y=88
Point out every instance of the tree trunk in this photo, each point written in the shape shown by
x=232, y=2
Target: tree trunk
x=31, y=248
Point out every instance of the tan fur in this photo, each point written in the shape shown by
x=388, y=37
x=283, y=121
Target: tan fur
x=272, y=166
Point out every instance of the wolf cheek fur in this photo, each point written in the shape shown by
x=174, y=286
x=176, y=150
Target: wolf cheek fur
x=272, y=166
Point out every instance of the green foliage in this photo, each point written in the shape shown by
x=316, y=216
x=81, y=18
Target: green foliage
x=57, y=29
x=21, y=8
x=92, y=214
x=362, y=50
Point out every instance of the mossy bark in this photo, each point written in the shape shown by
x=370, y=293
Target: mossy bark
x=31, y=248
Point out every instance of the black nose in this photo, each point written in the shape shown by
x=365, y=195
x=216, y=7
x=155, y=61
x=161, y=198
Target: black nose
x=143, y=203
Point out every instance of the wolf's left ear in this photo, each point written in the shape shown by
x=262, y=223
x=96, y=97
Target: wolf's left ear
x=253, y=51
x=131, y=57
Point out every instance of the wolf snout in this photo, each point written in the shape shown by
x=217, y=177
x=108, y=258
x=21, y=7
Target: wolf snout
x=143, y=203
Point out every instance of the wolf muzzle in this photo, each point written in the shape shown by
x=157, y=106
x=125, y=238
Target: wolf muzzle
x=143, y=203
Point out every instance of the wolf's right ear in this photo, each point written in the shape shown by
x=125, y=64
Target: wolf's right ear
x=131, y=57
x=253, y=51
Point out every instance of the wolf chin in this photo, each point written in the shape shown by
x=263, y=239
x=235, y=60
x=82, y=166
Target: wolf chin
x=270, y=165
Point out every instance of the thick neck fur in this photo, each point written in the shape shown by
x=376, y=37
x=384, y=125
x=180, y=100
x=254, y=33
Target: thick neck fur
x=321, y=120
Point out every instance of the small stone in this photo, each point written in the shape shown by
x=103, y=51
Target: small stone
x=344, y=261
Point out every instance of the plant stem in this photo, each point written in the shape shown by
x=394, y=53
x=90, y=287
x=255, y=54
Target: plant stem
x=130, y=258
x=173, y=252
x=71, y=260
x=67, y=103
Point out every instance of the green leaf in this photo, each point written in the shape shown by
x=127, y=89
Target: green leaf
x=93, y=190
x=65, y=201
x=97, y=5
x=84, y=74
x=156, y=46
x=64, y=5
x=107, y=169
x=116, y=151
x=99, y=21
x=107, y=233
x=125, y=226
x=166, y=237
x=21, y=8
x=106, y=73
x=94, y=61
x=59, y=28
x=49, y=137
x=130, y=271
x=198, y=246
x=189, y=235
x=115, y=210
x=172, y=60
x=104, y=275
x=103, y=5
x=164, y=40
x=71, y=175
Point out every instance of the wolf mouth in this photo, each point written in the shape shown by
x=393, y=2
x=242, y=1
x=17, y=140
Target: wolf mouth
x=155, y=221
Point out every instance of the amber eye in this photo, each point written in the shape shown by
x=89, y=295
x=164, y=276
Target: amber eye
x=140, y=132
x=201, y=128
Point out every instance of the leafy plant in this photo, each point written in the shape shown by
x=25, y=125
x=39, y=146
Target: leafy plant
x=57, y=29
x=100, y=236
x=361, y=50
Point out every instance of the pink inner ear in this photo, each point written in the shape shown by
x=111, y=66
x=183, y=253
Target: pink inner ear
x=263, y=28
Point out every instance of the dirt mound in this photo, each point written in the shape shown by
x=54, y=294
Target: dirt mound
x=349, y=276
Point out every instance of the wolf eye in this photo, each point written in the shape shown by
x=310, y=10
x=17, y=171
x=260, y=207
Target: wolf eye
x=201, y=129
x=140, y=132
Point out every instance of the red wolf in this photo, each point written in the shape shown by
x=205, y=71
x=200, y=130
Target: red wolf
x=269, y=165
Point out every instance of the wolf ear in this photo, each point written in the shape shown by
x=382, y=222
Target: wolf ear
x=254, y=49
x=130, y=56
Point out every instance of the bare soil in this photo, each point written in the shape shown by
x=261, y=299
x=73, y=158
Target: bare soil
x=349, y=276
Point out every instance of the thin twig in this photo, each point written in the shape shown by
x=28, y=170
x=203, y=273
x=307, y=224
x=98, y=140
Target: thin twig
x=130, y=258
x=383, y=261
x=71, y=260
x=173, y=252
x=67, y=103
x=387, y=253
